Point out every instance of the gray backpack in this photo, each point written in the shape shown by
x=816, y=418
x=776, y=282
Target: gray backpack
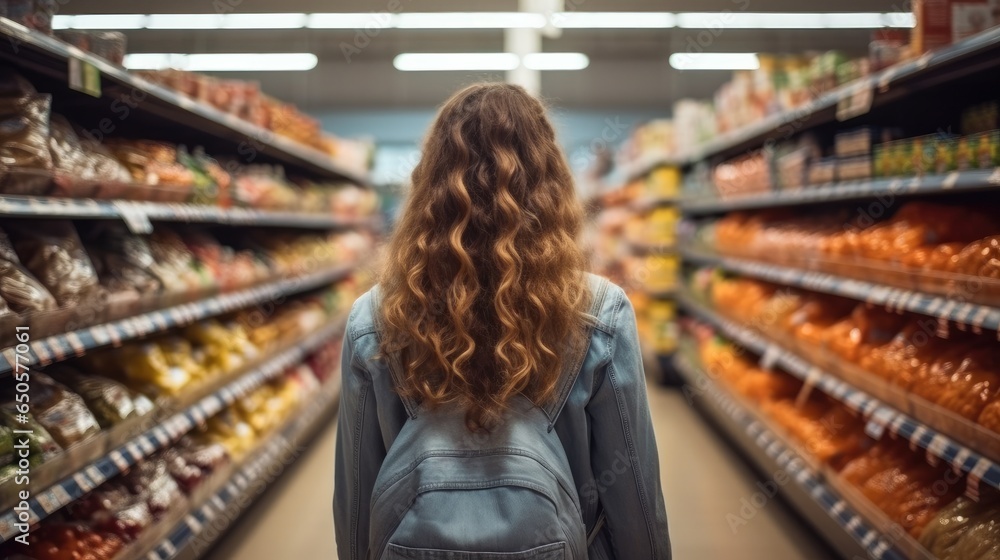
x=445, y=493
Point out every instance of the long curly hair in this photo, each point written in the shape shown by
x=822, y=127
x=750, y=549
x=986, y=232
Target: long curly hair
x=483, y=281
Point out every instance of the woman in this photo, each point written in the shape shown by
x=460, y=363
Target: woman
x=482, y=307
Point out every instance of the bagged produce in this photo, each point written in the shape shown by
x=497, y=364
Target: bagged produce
x=155, y=164
x=63, y=413
x=82, y=159
x=123, y=260
x=53, y=252
x=25, y=161
x=175, y=265
x=62, y=541
x=941, y=535
x=20, y=290
x=110, y=402
x=41, y=445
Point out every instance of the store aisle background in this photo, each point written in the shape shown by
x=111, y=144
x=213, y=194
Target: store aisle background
x=703, y=481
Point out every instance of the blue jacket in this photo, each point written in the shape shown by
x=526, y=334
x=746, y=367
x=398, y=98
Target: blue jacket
x=605, y=428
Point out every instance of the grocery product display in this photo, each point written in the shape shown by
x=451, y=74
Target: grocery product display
x=171, y=310
x=634, y=244
x=837, y=288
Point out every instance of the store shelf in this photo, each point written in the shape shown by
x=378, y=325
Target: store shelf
x=643, y=166
x=954, y=182
x=836, y=519
x=25, y=48
x=644, y=248
x=965, y=58
x=881, y=418
x=939, y=307
x=44, y=351
x=76, y=484
x=194, y=535
x=143, y=212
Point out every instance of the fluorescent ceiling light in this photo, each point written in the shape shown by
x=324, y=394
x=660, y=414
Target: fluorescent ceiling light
x=263, y=21
x=470, y=20
x=417, y=62
x=222, y=62
x=491, y=20
x=100, y=21
x=184, y=21
x=714, y=61
x=614, y=20
x=786, y=20
x=555, y=61
x=348, y=21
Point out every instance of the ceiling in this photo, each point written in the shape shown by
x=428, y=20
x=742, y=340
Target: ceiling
x=628, y=68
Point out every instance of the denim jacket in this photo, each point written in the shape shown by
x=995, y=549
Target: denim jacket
x=605, y=428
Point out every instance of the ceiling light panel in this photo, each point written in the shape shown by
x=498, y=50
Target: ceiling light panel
x=264, y=21
x=470, y=20
x=715, y=61
x=222, y=62
x=470, y=62
x=555, y=61
x=614, y=20
x=184, y=21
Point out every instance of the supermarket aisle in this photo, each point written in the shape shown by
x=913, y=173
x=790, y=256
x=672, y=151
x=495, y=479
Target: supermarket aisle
x=703, y=480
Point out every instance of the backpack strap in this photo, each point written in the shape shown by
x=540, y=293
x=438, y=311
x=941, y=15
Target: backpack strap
x=571, y=367
x=392, y=360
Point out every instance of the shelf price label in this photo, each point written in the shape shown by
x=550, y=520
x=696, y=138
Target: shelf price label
x=84, y=77
x=858, y=102
x=134, y=217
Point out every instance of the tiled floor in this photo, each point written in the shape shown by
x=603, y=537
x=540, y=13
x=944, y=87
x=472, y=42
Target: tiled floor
x=703, y=480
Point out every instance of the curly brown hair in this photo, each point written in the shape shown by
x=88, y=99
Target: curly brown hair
x=483, y=281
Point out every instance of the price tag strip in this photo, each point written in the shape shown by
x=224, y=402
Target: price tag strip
x=76, y=484
x=878, y=545
x=981, y=317
x=881, y=418
x=76, y=343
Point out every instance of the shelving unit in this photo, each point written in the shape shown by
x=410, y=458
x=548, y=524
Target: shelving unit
x=881, y=418
x=165, y=115
x=88, y=477
x=194, y=534
x=51, y=57
x=44, y=351
x=962, y=59
x=954, y=182
x=134, y=213
x=886, y=98
x=940, y=307
x=837, y=520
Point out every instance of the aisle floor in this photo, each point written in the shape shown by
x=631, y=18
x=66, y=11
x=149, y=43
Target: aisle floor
x=703, y=481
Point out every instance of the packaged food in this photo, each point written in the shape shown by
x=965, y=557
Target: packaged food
x=822, y=171
x=109, y=45
x=151, y=480
x=20, y=290
x=123, y=261
x=52, y=251
x=952, y=523
x=986, y=150
x=25, y=161
x=80, y=159
x=191, y=463
x=63, y=413
x=146, y=367
x=41, y=445
x=156, y=165
x=68, y=541
x=175, y=265
x=854, y=168
x=110, y=402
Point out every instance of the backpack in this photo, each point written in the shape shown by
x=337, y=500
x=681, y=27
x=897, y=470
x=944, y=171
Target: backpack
x=445, y=493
